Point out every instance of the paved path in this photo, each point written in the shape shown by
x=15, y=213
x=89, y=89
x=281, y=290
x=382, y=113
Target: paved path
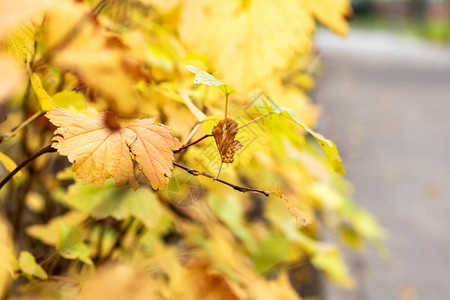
x=386, y=104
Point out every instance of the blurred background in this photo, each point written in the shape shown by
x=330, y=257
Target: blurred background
x=385, y=95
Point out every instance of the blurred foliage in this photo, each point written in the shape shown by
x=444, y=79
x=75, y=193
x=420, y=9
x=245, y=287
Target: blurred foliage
x=196, y=238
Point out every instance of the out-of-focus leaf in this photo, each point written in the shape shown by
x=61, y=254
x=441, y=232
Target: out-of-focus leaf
x=48, y=233
x=246, y=41
x=231, y=212
x=330, y=261
x=203, y=77
x=332, y=13
x=21, y=43
x=30, y=267
x=71, y=246
x=45, y=101
x=6, y=256
x=120, y=203
x=328, y=147
x=70, y=100
x=100, y=148
x=119, y=282
x=9, y=164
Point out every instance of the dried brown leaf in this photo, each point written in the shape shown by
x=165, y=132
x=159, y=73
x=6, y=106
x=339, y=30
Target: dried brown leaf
x=224, y=133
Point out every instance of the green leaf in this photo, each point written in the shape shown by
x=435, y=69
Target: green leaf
x=30, y=267
x=231, y=212
x=45, y=101
x=71, y=246
x=328, y=147
x=49, y=233
x=203, y=77
x=330, y=261
x=9, y=164
x=69, y=99
x=120, y=203
x=21, y=43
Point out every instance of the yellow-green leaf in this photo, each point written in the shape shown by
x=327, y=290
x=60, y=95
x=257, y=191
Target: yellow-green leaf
x=71, y=246
x=30, y=267
x=120, y=203
x=203, y=77
x=328, y=147
x=70, y=100
x=9, y=164
x=45, y=101
x=21, y=43
x=330, y=261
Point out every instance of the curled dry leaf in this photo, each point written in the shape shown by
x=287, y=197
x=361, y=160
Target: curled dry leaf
x=100, y=148
x=224, y=133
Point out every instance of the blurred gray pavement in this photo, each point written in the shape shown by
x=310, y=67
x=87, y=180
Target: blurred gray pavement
x=386, y=104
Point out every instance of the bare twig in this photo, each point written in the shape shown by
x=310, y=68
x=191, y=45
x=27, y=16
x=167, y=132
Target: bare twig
x=192, y=143
x=47, y=149
x=22, y=125
x=236, y=187
x=254, y=120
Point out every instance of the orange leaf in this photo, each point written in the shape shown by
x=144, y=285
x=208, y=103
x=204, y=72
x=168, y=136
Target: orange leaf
x=224, y=133
x=100, y=148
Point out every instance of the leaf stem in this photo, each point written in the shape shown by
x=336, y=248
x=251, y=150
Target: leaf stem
x=47, y=149
x=235, y=187
x=226, y=104
x=192, y=143
x=22, y=125
x=220, y=169
x=254, y=120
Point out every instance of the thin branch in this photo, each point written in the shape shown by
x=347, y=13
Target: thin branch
x=191, y=134
x=254, y=120
x=47, y=149
x=226, y=104
x=22, y=125
x=192, y=143
x=236, y=187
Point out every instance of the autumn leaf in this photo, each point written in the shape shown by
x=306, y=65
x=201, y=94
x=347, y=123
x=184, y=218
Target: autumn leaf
x=328, y=147
x=332, y=14
x=100, y=148
x=246, y=42
x=30, y=267
x=203, y=77
x=224, y=133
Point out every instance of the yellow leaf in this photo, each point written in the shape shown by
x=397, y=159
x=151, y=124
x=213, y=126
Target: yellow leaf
x=6, y=256
x=100, y=148
x=30, y=267
x=332, y=13
x=21, y=43
x=48, y=233
x=9, y=164
x=246, y=41
x=45, y=101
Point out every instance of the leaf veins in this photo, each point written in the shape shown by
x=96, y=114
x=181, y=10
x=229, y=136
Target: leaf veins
x=100, y=148
x=224, y=133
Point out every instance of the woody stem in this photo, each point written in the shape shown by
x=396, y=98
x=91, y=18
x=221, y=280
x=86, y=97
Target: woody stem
x=236, y=187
